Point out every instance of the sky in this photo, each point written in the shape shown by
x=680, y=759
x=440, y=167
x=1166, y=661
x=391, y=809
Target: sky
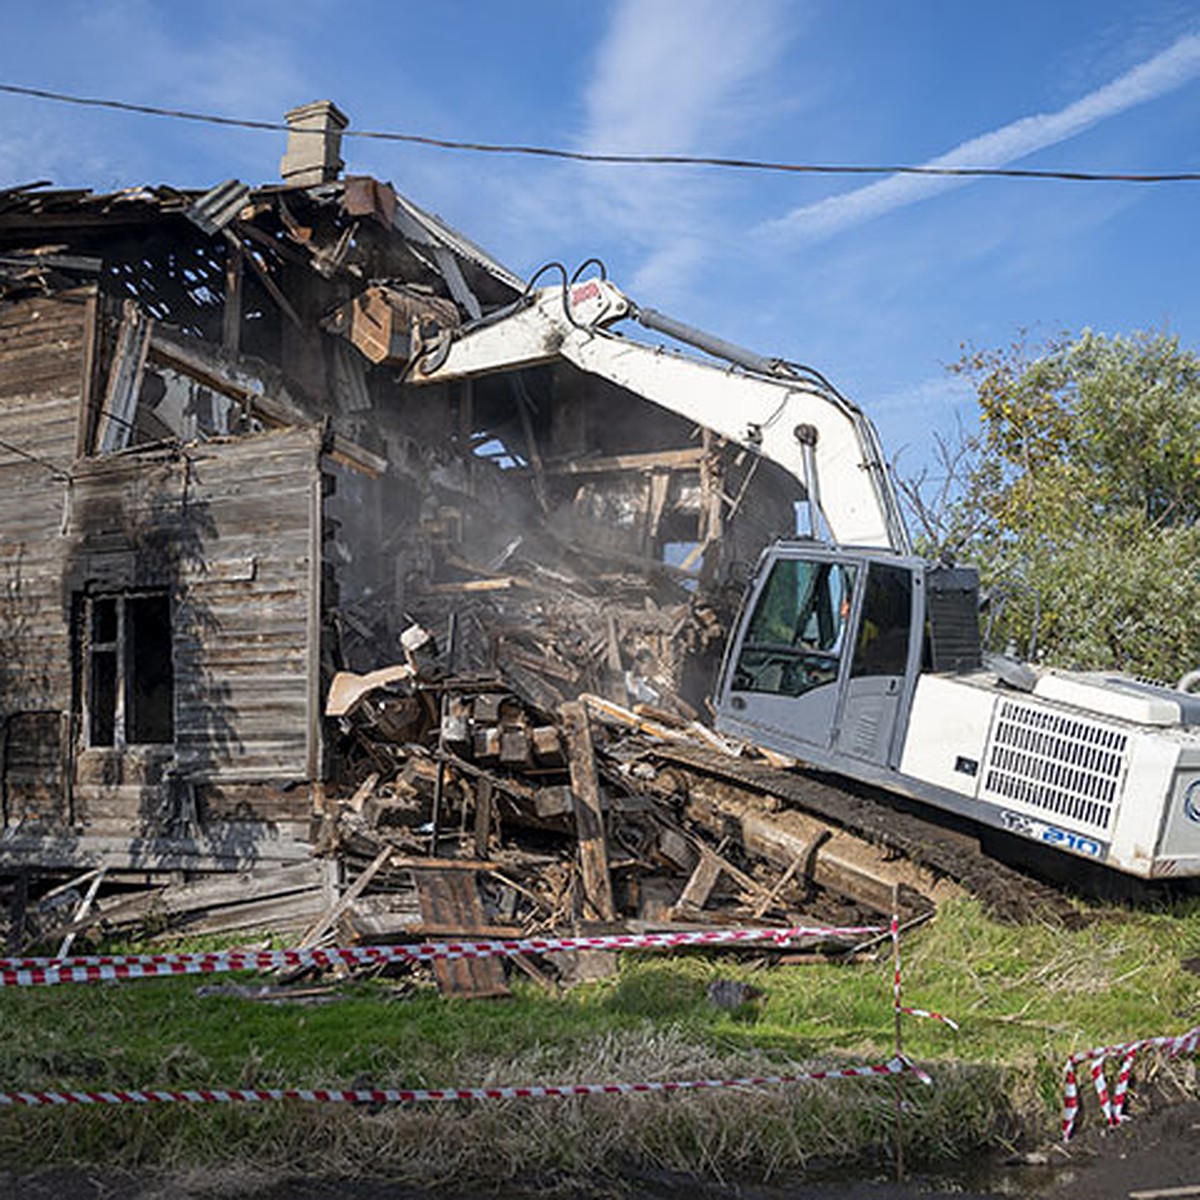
x=879, y=282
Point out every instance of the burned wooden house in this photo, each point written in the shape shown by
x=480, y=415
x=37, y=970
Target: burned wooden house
x=218, y=487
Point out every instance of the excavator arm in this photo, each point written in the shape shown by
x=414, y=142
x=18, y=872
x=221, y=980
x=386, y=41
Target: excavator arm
x=768, y=407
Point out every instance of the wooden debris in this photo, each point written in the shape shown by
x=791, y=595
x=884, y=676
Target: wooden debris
x=283, y=898
x=85, y=905
x=585, y=786
x=314, y=933
x=699, y=886
x=582, y=813
x=451, y=899
x=485, y=814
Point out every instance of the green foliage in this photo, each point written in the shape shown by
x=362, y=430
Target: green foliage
x=1081, y=499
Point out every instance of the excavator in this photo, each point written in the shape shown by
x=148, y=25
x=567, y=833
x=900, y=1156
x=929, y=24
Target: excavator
x=851, y=653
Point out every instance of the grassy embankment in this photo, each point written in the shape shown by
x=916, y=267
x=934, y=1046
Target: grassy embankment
x=1025, y=997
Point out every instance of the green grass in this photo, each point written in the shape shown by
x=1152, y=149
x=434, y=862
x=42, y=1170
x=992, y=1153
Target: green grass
x=1025, y=998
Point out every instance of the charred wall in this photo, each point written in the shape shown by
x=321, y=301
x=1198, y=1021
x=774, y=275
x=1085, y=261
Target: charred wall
x=159, y=605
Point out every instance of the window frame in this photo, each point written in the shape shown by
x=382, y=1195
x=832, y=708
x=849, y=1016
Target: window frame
x=119, y=709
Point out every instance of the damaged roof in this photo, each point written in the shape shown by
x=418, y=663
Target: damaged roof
x=356, y=228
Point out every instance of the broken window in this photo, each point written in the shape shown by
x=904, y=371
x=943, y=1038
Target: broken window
x=129, y=682
x=173, y=406
x=151, y=397
x=169, y=405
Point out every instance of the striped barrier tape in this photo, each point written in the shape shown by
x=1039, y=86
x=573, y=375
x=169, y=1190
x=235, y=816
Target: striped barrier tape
x=901, y=1008
x=1101, y=1086
x=894, y=1066
x=1070, y=1101
x=1112, y=1104
x=895, y=932
x=1118, y=1096
x=38, y=972
x=932, y=1016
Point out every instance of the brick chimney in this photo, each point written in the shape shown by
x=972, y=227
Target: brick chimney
x=314, y=144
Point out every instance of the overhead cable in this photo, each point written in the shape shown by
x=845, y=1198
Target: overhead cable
x=589, y=156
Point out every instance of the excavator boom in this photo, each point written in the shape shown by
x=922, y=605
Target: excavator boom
x=763, y=405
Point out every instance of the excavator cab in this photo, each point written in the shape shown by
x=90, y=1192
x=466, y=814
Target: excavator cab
x=829, y=646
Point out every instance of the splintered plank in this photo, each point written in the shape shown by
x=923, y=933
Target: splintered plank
x=317, y=930
x=700, y=885
x=450, y=900
x=585, y=784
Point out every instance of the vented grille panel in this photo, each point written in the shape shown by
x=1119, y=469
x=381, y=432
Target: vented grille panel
x=1062, y=765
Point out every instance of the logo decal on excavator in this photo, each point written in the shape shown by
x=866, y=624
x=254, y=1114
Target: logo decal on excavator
x=584, y=292
x=1039, y=831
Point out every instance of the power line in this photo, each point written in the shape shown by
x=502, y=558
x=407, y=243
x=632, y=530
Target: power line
x=676, y=160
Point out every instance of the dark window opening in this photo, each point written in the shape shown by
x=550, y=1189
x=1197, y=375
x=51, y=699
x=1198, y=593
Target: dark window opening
x=883, y=637
x=130, y=685
x=150, y=677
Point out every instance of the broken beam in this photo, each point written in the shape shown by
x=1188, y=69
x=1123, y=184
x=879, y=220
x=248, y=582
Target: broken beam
x=686, y=459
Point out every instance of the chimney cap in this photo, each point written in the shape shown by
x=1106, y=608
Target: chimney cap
x=310, y=114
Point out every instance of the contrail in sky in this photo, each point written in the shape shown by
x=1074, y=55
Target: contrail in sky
x=1175, y=66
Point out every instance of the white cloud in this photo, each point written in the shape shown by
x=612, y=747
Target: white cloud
x=1175, y=66
x=668, y=75
x=675, y=79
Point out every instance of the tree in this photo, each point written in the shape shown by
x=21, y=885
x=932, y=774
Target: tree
x=1079, y=500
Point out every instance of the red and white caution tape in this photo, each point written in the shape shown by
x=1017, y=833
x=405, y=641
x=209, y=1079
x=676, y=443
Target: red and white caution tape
x=34, y=972
x=895, y=931
x=895, y=1066
x=1118, y=1096
x=1101, y=1086
x=1070, y=1100
x=1112, y=1104
x=932, y=1016
x=902, y=1008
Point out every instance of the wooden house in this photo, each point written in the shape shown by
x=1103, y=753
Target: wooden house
x=216, y=490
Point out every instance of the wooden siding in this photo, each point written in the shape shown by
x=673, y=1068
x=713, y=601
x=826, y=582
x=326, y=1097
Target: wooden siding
x=43, y=359
x=227, y=528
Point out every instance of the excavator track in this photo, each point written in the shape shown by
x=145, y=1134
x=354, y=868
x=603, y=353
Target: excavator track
x=1006, y=893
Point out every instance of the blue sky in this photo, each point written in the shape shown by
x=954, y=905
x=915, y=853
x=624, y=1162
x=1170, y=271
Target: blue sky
x=875, y=281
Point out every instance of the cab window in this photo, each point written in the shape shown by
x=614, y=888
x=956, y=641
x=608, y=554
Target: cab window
x=882, y=647
x=795, y=637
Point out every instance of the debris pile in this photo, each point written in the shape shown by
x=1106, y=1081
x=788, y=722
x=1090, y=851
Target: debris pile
x=470, y=810
x=463, y=807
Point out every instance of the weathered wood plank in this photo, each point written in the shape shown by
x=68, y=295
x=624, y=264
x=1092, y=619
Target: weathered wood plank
x=210, y=891
x=329, y=915
x=451, y=899
x=245, y=847
x=589, y=820
x=699, y=887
